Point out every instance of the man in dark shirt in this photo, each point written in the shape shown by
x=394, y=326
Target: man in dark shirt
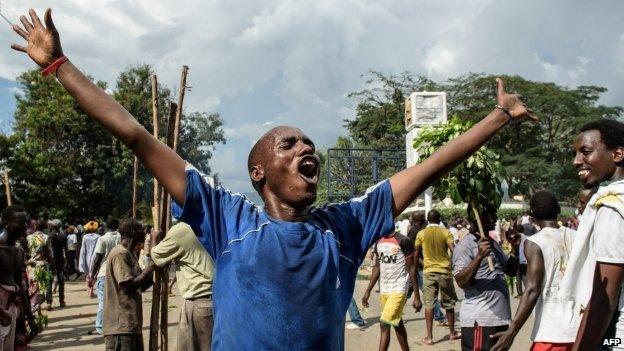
x=58, y=242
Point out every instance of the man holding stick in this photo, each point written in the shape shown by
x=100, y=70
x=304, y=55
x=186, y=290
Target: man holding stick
x=194, y=273
x=485, y=310
x=286, y=270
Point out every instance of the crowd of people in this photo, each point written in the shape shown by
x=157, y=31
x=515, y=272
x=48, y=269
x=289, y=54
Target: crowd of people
x=287, y=270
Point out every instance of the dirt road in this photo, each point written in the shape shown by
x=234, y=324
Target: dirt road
x=68, y=327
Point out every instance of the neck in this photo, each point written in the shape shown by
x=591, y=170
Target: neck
x=10, y=239
x=548, y=223
x=285, y=212
x=618, y=174
x=126, y=242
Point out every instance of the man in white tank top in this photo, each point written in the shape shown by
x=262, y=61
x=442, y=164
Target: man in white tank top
x=547, y=252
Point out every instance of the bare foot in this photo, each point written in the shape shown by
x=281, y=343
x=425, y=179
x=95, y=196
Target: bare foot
x=455, y=335
x=426, y=341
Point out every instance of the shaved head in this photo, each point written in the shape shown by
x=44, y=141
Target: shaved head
x=259, y=153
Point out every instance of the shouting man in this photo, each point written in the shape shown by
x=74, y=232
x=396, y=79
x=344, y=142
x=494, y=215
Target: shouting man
x=286, y=270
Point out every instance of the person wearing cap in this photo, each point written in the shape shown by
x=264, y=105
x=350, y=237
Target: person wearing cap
x=194, y=272
x=97, y=274
x=87, y=247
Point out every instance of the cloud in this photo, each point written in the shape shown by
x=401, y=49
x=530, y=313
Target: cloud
x=293, y=62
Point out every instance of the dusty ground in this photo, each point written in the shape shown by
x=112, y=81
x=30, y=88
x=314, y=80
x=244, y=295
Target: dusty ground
x=67, y=329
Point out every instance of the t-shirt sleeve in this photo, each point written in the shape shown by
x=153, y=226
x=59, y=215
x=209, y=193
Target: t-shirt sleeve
x=462, y=256
x=449, y=237
x=122, y=267
x=99, y=246
x=418, y=241
x=407, y=247
x=608, y=236
x=167, y=250
x=373, y=214
x=213, y=212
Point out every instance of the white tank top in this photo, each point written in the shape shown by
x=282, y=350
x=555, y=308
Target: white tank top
x=556, y=320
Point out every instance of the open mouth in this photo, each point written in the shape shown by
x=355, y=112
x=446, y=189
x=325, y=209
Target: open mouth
x=308, y=168
x=583, y=173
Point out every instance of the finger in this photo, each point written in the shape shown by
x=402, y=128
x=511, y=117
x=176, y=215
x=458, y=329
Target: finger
x=519, y=96
x=500, y=87
x=533, y=117
x=18, y=48
x=26, y=24
x=47, y=17
x=35, y=19
x=22, y=33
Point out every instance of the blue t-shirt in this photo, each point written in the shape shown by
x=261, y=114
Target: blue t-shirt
x=283, y=285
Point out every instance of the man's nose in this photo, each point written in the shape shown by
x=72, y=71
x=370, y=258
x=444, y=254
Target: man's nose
x=578, y=160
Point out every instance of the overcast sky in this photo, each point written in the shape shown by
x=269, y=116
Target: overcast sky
x=266, y=63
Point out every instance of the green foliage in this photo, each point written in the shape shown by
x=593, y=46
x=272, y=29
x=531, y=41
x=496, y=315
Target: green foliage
x=533, y=155
x=476, y=180
x=65, y=165
x=43, y=277
x=41, y=320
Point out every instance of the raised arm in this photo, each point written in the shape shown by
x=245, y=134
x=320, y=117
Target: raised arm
x=44, y=48
x=409, y=183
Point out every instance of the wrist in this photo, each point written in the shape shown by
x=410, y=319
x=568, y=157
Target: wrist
x=53, y=66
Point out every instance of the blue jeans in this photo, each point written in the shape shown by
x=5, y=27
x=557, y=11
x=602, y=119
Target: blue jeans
x=438, y=315
x=99, y=317
x=354, y=313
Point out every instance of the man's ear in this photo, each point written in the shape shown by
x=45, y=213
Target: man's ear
x=618, y=154
x=257, y=173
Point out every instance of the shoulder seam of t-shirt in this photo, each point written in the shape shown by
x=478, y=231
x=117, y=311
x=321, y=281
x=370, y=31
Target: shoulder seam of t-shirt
x=205, y=178
x=368, y=191
x=244, y=236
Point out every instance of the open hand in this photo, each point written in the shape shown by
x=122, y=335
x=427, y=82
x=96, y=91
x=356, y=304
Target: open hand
x=43, y=43
x=513, y=103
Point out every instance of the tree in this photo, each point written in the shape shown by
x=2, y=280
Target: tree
x=65, y=164
x=533, y=155
x=476, y=181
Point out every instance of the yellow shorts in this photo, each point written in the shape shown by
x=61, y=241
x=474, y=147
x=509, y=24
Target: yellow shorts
x=392, y=308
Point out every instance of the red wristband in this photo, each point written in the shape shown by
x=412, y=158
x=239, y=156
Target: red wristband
x=54, y=66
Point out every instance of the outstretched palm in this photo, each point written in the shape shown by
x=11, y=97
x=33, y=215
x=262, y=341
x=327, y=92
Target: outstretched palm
x=43, y=43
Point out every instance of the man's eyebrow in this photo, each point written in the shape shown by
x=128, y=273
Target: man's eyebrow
x=290, y=138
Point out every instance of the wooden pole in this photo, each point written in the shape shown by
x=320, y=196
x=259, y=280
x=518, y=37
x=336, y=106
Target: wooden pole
x=476, y=213
x=7, y=187
x=173, y=137
x=135, y=176
x=153, y=336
